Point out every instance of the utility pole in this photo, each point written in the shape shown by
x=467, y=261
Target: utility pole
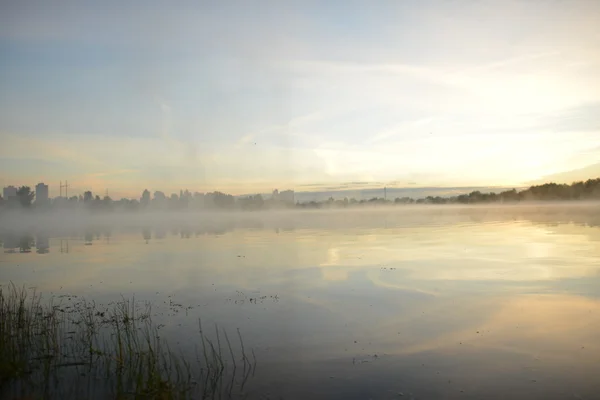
x=66, y=186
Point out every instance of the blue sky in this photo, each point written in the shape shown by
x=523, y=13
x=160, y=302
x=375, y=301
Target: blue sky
x=248, y=96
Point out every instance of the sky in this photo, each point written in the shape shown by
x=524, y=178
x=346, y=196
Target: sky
x=245, y=97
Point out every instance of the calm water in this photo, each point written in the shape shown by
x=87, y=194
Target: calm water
x=434, y=303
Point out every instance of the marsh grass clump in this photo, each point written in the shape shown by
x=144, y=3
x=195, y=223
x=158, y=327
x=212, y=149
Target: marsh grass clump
x=78, y=350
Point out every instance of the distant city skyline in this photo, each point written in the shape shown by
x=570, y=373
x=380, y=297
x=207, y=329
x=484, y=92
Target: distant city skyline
x=41, y=193
x=334, y=197
x=358, y=190
x=251, y=97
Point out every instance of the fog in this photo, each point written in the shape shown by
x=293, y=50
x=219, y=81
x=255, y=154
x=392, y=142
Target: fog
x=73, y=222
x=397, y=201
x=360, y=295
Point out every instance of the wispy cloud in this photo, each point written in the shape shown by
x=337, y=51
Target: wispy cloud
x=179, y=96
x=512, y=62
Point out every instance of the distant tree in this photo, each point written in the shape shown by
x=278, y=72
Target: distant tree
x=145, y=199
x=509, y=195
x=174, y=201
x=403, y=200
x=251, y=202
x=197, y=200
x=87, y=197
x=220, y=200
x=25, y=196
x=160, y=200
x=133, y=205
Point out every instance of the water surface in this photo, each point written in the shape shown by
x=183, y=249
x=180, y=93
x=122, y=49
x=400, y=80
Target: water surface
x=431, y=303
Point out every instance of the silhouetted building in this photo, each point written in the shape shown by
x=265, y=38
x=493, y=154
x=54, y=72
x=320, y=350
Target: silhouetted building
x=286, y=196
x=41, y=193
x=8, y=192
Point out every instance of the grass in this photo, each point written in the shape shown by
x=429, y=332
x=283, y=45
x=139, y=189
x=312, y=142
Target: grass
x=56, y=351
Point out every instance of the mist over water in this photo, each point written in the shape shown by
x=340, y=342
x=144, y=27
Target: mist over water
x=375, y=216
x=299, y=200
x=428, y=302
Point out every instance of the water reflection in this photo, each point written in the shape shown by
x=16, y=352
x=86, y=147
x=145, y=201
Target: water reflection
x=185, y=232
x=475, y=304
x=97, y=227
x=10, y=242
x=88, y=238
x=42, y=243
x=64, y=245
x=26, y=242
x=147, y=234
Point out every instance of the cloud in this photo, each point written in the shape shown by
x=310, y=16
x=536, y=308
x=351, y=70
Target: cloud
x=46, y=149
x=246, y=139
x=452, y=92
x=568, y=177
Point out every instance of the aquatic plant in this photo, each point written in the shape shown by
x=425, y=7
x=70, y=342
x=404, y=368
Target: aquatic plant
x=79, y=350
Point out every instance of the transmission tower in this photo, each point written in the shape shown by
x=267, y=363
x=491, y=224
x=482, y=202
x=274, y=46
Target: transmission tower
x=66, y=186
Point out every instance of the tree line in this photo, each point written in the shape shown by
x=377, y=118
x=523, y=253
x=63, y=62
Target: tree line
x=584, y=190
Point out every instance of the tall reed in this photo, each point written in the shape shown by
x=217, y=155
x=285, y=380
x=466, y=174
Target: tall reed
x=50, y=350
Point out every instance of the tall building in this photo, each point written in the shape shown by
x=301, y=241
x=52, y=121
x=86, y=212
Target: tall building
x=41, y=193
x=283, y=197
x=8, y=192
